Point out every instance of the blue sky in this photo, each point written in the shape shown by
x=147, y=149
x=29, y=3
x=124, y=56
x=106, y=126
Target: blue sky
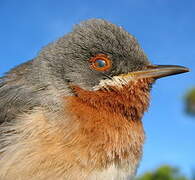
x=165, y=30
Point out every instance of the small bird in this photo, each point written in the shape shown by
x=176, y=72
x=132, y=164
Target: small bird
x=74, y=112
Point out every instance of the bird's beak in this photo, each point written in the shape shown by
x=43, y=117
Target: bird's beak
x=157, y=71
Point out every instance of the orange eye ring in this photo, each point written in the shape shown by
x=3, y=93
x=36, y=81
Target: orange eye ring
x=100, y=62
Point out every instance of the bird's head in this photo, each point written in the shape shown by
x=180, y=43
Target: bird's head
x=98, y=54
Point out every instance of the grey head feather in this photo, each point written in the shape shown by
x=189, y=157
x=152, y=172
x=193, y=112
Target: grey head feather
x=68, y=57
x=44, y=80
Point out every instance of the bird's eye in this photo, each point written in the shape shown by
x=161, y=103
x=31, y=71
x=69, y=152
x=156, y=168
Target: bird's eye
x=100, y=62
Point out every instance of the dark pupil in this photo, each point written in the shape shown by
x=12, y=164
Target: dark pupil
x=100, y=63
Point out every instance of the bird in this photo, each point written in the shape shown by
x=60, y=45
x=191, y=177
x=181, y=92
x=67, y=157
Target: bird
x=74, y=112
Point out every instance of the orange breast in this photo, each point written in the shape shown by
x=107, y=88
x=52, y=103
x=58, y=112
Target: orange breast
x=110, y=122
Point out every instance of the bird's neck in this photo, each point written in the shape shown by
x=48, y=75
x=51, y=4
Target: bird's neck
x=110, y=121
x=130, y=101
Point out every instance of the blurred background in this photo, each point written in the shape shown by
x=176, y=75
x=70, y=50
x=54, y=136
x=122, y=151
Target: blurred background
x=166, y=32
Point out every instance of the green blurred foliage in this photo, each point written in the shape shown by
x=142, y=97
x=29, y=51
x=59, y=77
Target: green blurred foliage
x=190, y=102
x=163, y=173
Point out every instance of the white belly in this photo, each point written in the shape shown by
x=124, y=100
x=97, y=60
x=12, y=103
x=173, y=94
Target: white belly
x=112, y=173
